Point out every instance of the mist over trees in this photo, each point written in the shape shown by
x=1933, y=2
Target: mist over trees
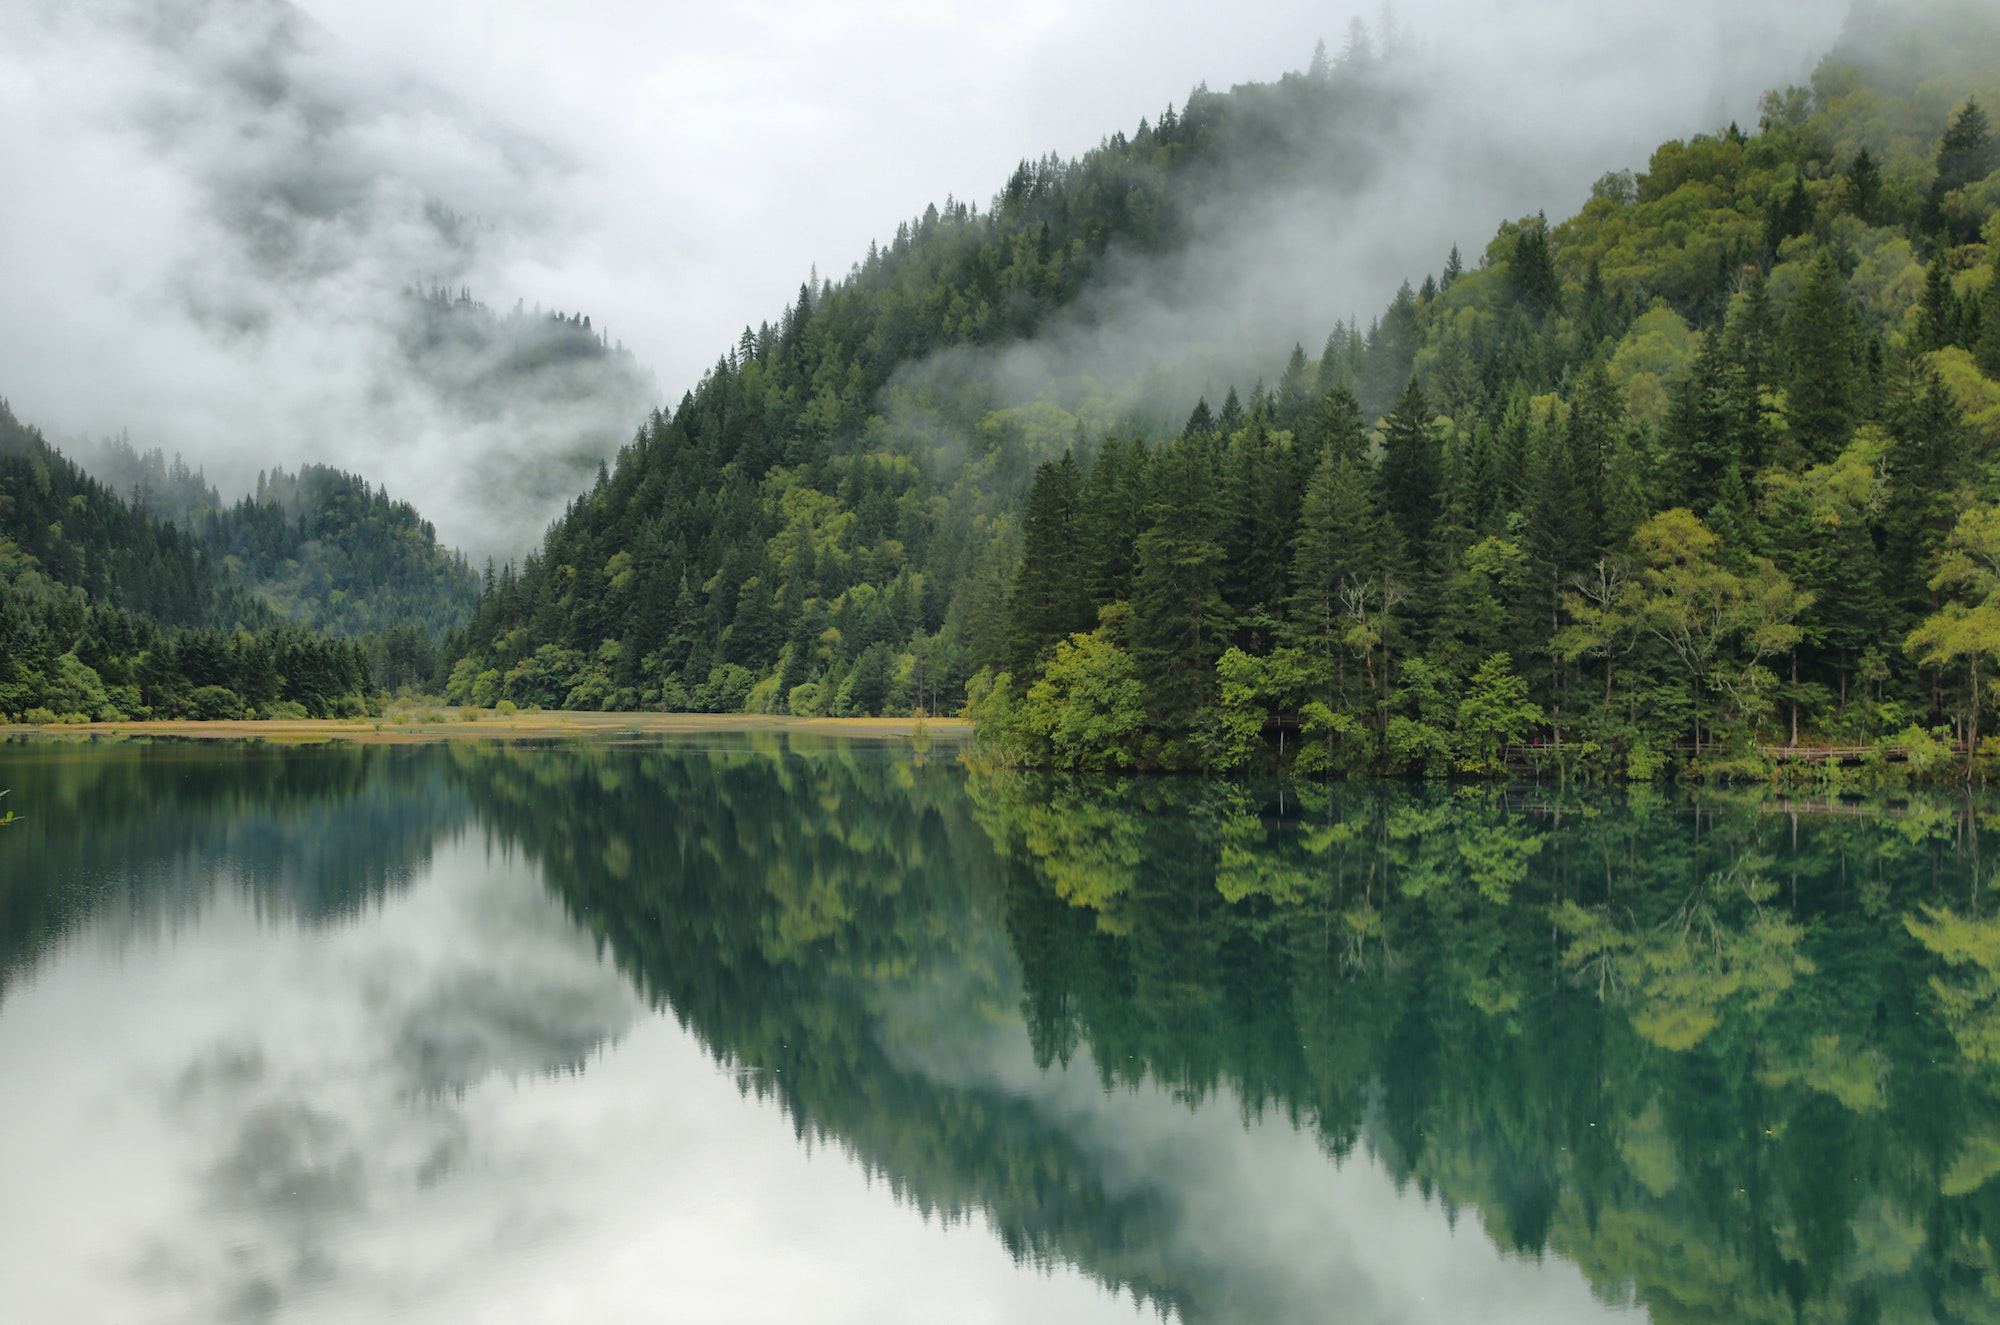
x=1701, y=468
x=302, y=599
x=1676, y=474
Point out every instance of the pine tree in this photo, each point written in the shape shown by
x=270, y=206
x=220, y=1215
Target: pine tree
x=1231, y=417
x=1048, y=602
x=1391, y=353
x=1596, y=416
x=1820, y=349
x=1258, y=506
x=1935, y=320
x=1786, y=216
x=1335, y=427
x=1864, y=187
x=1332, y=362
x=1200, y=421
x=1339, y=547
x=1295, y=392
x=1987, y=351
x=1749, y=345
x=1968, y=152
x=1700, y=429
x=1180, y=627
x=1513, y=446
x=1926, y=462
x=1113, y=515
x=1531, y=270
x=1412, y=470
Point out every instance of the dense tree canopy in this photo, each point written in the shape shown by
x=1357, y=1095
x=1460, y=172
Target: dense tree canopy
x=1754, y=381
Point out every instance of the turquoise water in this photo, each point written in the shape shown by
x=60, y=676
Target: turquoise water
x=765, y=1030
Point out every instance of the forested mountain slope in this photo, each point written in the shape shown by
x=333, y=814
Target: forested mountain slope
x=109, y=612
x=319, y=547
x=1685, y=470
x=79, y=533
x=326, y=550
x=807, y=510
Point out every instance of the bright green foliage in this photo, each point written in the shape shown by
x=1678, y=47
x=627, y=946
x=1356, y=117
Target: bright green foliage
x=1689, y=600
x=1965, y=631
x=1088, y=710
x=1987, y=351
x=1494, y=714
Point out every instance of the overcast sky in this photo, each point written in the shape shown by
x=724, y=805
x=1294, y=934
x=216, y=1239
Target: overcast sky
x=211, y=202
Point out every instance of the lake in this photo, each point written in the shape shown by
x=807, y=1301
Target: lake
x=767, y=1028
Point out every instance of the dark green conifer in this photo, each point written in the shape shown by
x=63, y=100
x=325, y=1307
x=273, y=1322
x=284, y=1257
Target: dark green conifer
x=1180, y=625
x=1411, y=469
x=1048, y=602
x=1231, y=417
x=1822, y=364
x=1295, y=391
x=1864, y=187
x=1342, y=548
x=1335, y=427
x=1531, y=270
x=1987, y=350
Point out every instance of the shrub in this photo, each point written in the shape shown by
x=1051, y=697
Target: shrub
x=214, y=704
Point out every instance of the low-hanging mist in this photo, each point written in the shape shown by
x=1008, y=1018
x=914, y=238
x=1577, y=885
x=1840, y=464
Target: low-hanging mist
x=233, y=241
x=222, y=210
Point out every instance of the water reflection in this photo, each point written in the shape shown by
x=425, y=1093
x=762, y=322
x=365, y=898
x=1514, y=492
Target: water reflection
x=1243, y=1053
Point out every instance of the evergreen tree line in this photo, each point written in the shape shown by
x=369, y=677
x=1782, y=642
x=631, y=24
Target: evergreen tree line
x=310, y=598
x=775, y=541
x=1800, y=544
x=66, y=659
x=1676, y=475
x=325, y=549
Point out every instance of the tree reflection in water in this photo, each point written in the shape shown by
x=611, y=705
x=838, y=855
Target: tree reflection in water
x=1733, y=1056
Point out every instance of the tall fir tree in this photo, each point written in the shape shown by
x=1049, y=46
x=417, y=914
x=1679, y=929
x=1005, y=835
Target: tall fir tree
x=1181, y=621
x=1987, y=351
x=1821, y=363
x=1049, y=600
x=1339, y=554
x=1412, y=470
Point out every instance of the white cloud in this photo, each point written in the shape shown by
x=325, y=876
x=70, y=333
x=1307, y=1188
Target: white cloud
x=213, y=203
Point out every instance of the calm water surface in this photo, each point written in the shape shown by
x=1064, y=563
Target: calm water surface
x=778, y=1031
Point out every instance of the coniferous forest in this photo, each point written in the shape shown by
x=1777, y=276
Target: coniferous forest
x=1702, y=470
x=307, y=599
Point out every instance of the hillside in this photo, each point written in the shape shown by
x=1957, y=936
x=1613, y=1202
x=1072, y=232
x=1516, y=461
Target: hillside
x=1751, y=386
x=326, y=550
x=108, y=612
x=317, y=547
x=80, y=534
x=812, y=515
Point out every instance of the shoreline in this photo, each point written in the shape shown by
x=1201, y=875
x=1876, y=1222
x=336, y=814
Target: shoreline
x=518, y=726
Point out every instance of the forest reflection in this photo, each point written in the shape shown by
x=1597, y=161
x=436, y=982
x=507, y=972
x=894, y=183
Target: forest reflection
x=1732, y=1055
